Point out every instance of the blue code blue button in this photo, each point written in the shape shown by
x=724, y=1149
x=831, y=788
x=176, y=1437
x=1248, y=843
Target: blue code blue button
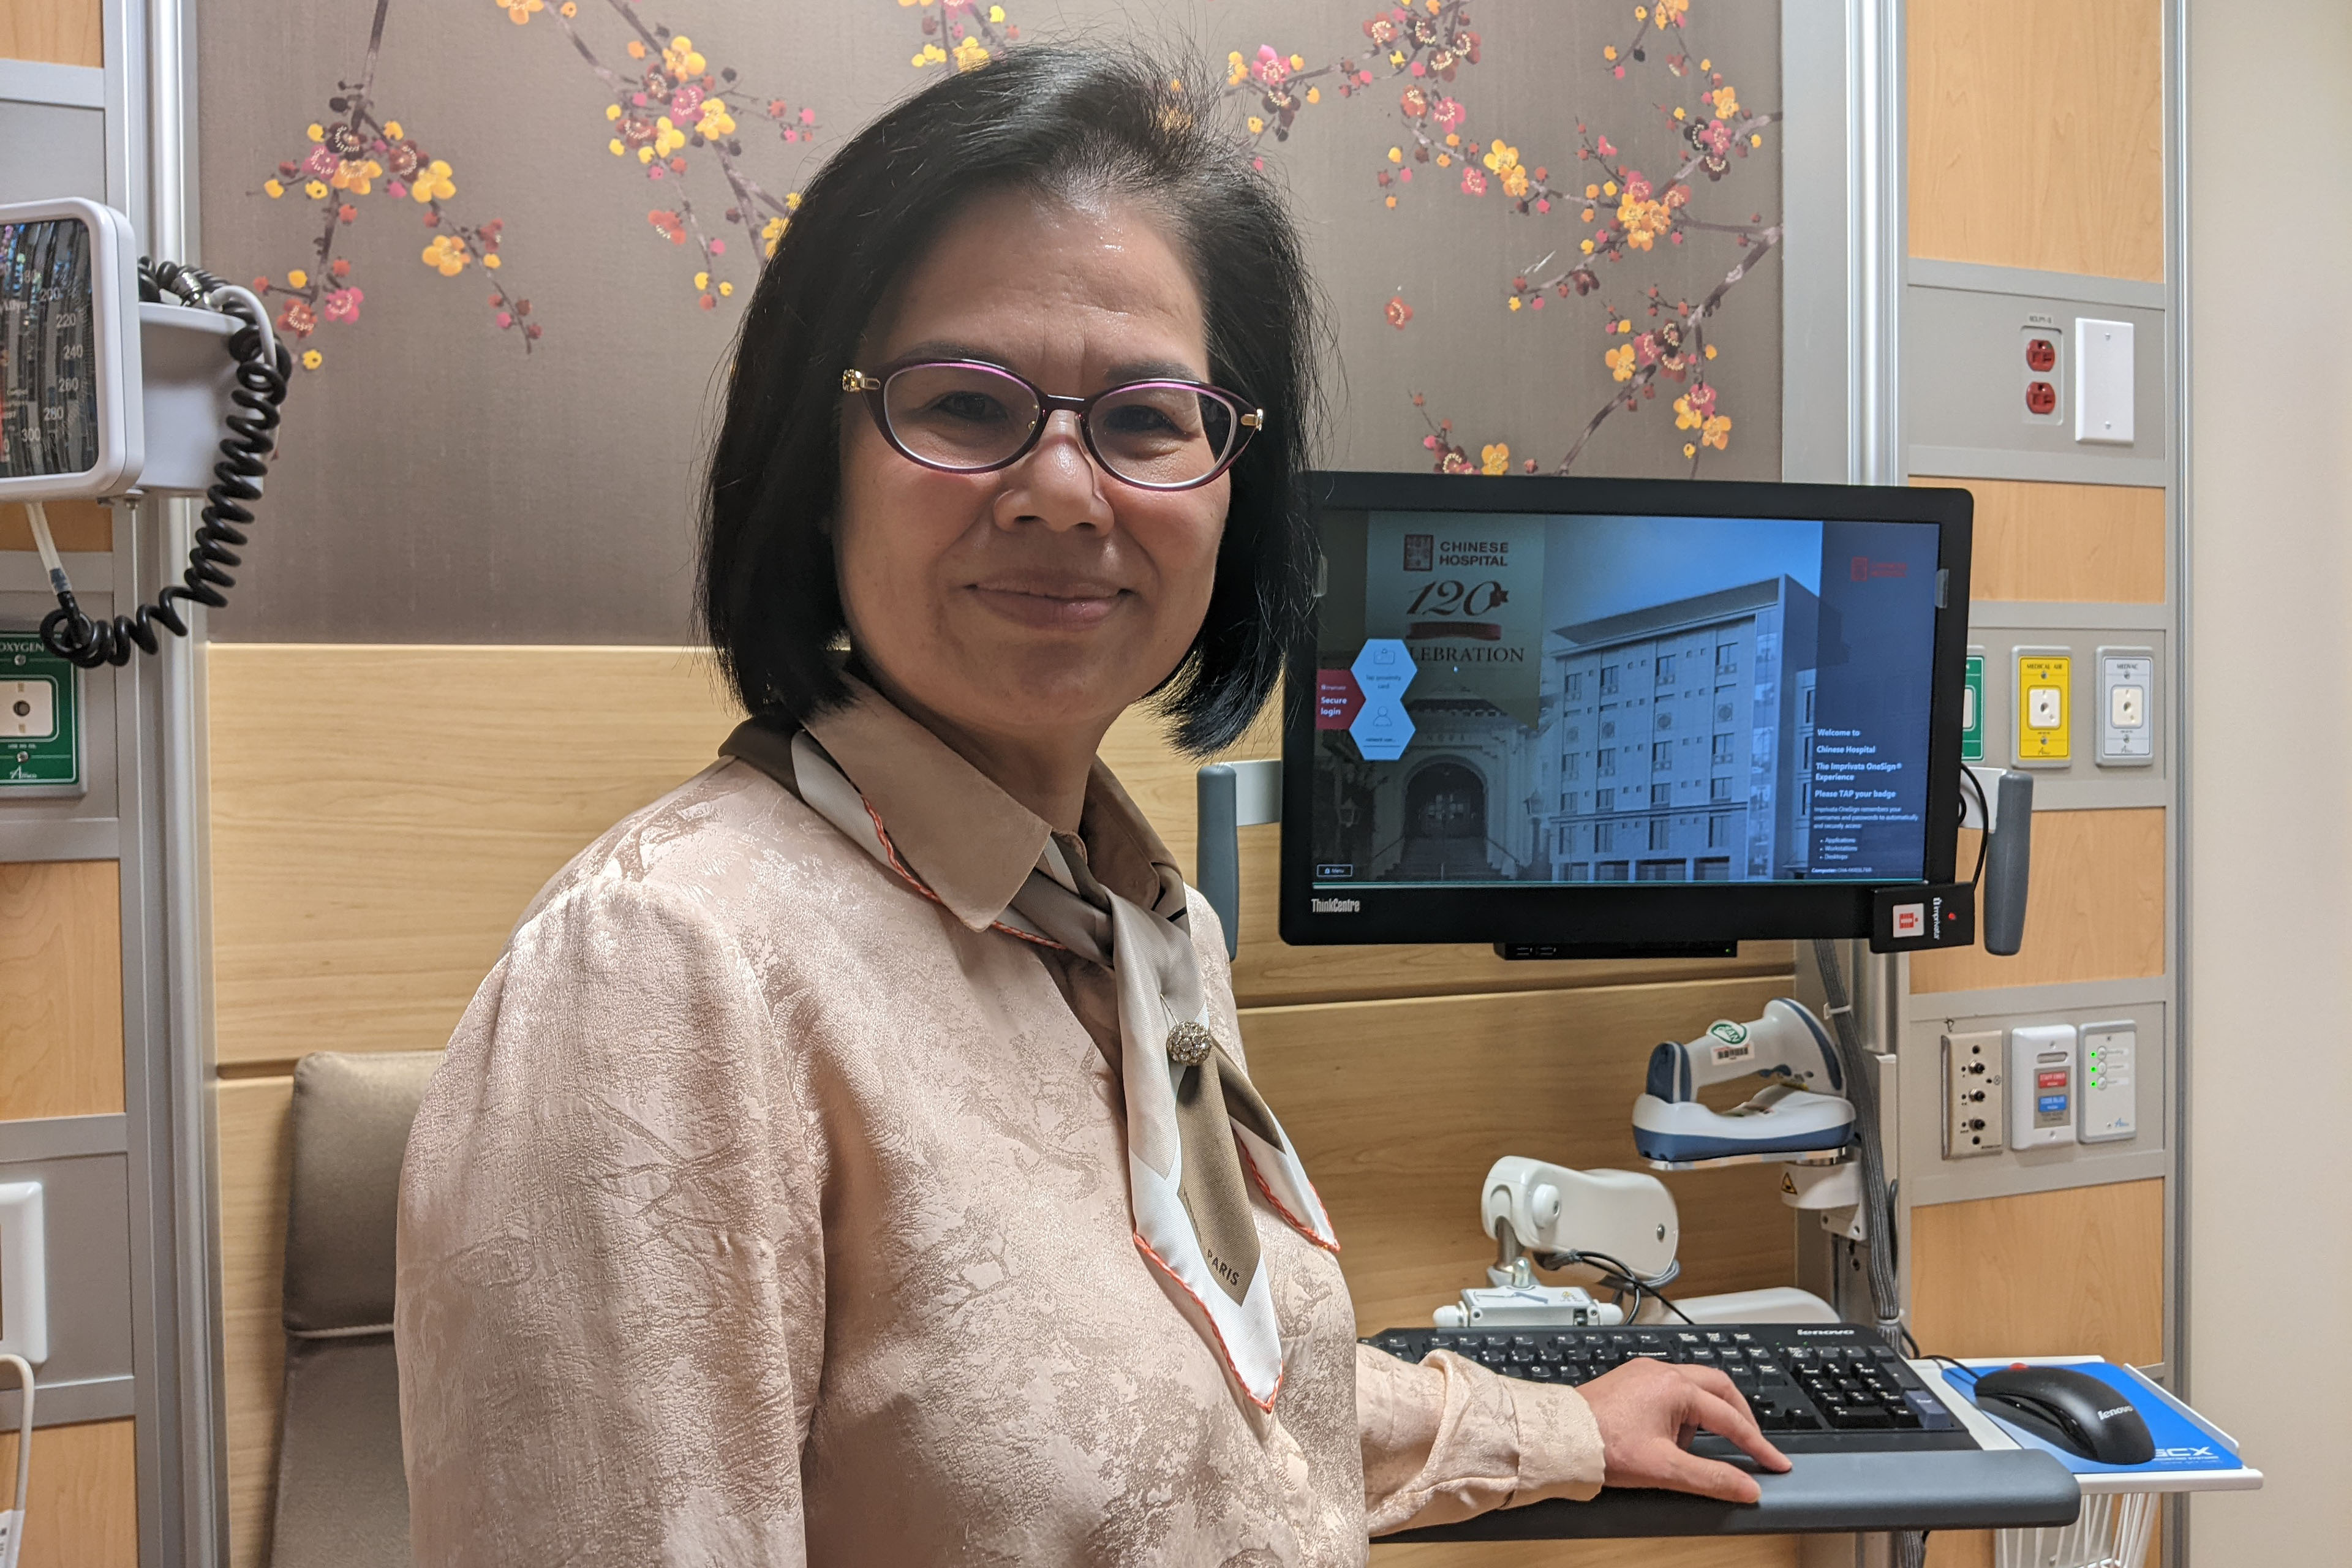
x=2052, y=1104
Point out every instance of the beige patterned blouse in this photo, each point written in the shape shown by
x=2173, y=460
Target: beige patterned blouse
x=772, y=1209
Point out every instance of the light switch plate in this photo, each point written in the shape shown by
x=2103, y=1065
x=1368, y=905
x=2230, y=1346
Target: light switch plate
x=2110, y=1097
x=2043, y=1082
x=23, y=1284
x=2103, y=382
x=2127, y=707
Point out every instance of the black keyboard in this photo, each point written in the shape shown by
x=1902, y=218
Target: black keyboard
x=1815, y=1388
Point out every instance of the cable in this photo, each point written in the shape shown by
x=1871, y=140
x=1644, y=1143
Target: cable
x=1619, y=1277
x=1984, y=815
x=1862, y=1088
x=264, y=366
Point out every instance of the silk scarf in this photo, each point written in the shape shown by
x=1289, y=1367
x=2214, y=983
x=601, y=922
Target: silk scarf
x=1198, y=1135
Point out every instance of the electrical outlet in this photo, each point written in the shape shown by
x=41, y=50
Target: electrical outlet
x=1973, y=1101
x=2041, y=354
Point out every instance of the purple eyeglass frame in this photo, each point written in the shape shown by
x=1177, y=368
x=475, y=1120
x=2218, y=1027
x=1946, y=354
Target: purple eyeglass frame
x=1248, y=419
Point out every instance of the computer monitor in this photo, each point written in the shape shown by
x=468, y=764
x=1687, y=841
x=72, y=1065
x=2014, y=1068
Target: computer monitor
x=1584, y=716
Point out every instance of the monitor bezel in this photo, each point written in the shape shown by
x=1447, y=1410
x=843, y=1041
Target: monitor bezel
x=1624, y=914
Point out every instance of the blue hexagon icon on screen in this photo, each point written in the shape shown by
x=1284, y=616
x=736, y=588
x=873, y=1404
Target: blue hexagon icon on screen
x=1382, y=670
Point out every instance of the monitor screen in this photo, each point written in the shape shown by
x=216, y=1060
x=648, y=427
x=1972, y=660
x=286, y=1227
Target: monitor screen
x=1602, y=688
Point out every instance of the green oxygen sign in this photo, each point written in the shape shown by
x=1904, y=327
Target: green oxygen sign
x=41, y=720
x=1972, y=711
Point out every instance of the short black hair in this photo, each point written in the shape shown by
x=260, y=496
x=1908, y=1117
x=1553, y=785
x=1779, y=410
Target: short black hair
x=1066, y=123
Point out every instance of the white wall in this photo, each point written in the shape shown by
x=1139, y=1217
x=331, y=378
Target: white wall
x=2270, y=789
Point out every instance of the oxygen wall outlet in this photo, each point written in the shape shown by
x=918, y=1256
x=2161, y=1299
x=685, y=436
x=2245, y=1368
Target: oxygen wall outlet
x=1974, y=1103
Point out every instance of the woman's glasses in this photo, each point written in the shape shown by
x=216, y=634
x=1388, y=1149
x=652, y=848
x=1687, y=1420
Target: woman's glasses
x=966, y=416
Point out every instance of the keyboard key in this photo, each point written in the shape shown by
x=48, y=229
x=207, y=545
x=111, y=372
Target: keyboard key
x=1857, y=1417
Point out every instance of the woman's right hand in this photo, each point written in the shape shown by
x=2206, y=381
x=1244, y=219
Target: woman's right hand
x=1648, y=1411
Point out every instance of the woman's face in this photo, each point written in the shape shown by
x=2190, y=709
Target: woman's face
x=1034, y=604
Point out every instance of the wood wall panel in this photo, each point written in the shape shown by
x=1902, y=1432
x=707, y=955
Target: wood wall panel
x=1399, y=1107
x=73, y=524
x=255, y=1165
x=2095, y=906
x=58, y=32
x=60, y=988
x=2076, y=1271
x=2036, y=134
x=381, y=815
x=84, y=1508
x=2070, y=543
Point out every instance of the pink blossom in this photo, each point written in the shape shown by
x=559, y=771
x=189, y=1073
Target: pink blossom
x=718, y=248
x=1474, y=181
x=1449, y=113
x=687, y=102
x=808, y=117
x=1419, y=68
x=344, y=304
x=506, y=318
x=1619, y=73
x=1645, y=349
x=1536, y=303
x=1606, y=149
x=1636, y=187
x=397, y=190
x=1543, y=204
x=321, y=163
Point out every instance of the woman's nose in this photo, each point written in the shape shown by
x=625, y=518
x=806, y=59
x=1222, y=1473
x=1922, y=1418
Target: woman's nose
x=1057, y=483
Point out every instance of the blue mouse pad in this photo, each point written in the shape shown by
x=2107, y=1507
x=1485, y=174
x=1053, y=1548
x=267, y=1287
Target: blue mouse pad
x=2182, y=1442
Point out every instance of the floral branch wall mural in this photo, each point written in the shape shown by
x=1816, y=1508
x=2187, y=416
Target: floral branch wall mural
x=1547, y=231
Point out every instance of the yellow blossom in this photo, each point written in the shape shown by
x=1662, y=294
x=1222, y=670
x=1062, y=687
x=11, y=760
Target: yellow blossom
x=996, y=16
x=448, y=253
x=1396, y=56
x=315, y=131
x=1588, y=247
x=726, y=290
x=1445, y=160
x=569, y=10
x=773, y=234
x=1710, y=350
x=1396, y=154
x=1609, y=51
x=316, y=189
x=433, y=184
x=298, y=279
x=644, y=154
x=1608, y=190
x=519, y=11
x=616, y=145
x=1687, y=418
x=1236, y=69
x=392, y=129
x=1755, y=139
x=680, y=57
x=1619, y=360
x=701, y=281
x=359, y=177
x=970, y=56
x=1689, y=450
x=1626, y=327
x=1314, y=95
x=932, y=55
x=1707, y=65
x=1298, y=62
x=1517, y=301
x=491, y=261
x=1726, y=103
x=1392, y=201
x=1641, y=13
x=1500, y=156
x=274, y=188
x=312, y=359
x=1669, y=12
x=637, y=50
x=1591, y=192
x=1678, y=112
x=1717, y=433
x=792, y=201
x=1256, y=125
x=715, y=122
x=611, y=111
x=1494, y=459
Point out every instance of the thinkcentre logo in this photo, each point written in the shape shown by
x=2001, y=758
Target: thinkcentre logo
x=1336, y=906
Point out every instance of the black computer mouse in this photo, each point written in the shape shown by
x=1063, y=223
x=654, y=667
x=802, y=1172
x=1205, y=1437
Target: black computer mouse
x=2079, y=1413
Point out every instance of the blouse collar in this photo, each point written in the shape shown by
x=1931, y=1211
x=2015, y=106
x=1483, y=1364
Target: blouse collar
x=967, y=841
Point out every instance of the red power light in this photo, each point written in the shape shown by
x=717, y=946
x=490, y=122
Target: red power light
x=2041, y=355
x=2041, y=397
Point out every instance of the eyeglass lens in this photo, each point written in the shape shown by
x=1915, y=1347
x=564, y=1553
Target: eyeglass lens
x=967, y=417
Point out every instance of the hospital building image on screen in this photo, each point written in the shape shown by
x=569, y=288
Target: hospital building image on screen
x=1569, y=716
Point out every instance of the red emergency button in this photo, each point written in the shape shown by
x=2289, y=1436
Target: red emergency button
x=2050, y=1080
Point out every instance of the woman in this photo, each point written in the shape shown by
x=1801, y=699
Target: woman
x=852, y=1159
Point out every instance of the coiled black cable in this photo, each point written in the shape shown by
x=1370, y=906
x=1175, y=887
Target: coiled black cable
x=261, y=381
